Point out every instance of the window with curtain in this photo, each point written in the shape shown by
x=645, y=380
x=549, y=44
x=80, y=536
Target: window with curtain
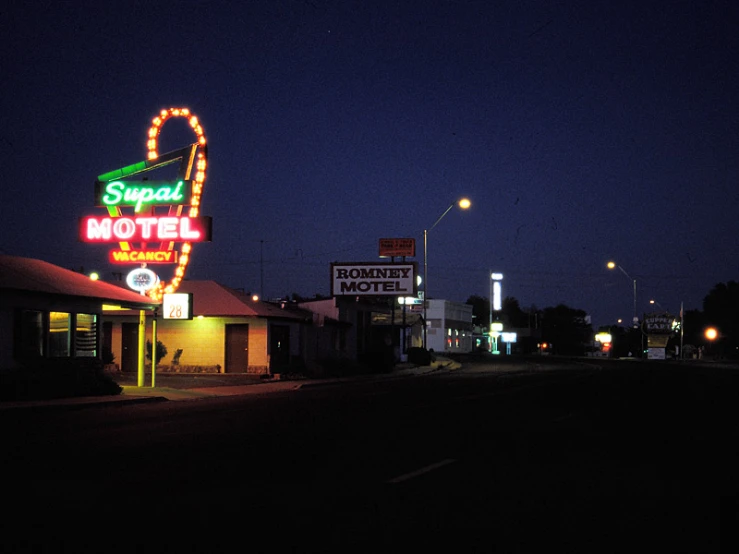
x=59, y=334
x=85, y=336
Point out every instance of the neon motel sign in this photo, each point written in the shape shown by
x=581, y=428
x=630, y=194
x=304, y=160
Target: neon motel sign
x=373, y=279
x=141, y=194
x=145, y=229
x=137, y=232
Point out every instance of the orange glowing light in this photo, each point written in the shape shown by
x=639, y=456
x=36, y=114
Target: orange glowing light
x=201, y=164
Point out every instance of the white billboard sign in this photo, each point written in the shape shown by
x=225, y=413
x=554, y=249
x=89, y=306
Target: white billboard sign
x=372, y=279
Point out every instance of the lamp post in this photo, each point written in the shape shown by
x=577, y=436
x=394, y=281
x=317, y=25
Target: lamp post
x=463, y=203
x=613, y=265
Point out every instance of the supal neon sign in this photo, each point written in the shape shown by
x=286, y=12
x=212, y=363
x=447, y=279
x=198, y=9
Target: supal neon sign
x=145, y=229
x=142, y=194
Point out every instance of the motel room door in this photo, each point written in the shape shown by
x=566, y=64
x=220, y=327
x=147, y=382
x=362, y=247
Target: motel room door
x=237, y=347
x=279, y=348
x=130, y=347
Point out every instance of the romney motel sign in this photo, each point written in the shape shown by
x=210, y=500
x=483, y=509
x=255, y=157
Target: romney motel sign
x=371, y=279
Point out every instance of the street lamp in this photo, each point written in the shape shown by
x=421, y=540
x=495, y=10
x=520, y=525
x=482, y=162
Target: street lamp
x=613, y=265
x=463, y=203
x=656, y=303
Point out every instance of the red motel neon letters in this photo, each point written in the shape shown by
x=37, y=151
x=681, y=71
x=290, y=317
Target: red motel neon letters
x=145, y=229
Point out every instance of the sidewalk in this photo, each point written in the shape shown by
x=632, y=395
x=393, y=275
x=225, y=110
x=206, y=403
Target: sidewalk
x=136, y=394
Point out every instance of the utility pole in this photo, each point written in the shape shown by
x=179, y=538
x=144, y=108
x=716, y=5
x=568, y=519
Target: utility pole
x=261, y=269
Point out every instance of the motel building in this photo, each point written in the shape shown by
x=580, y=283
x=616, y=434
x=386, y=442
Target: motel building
x=228, y=332
x=449, y=326
x=51, y=317
x=231, y=332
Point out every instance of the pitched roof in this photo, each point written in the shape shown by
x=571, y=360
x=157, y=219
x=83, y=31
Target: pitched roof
x=32, y=275
x=211, y=299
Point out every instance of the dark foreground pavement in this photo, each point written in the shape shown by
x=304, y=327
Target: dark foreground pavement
x=551, y=456
x=182, y=386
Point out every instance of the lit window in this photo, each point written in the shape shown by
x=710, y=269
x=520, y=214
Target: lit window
x=85, y=336
x=59, y=335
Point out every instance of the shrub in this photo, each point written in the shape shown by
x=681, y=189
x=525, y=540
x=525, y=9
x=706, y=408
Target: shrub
x=108, y=356
x=47, y=379
x=420, y=356
x=161, y=351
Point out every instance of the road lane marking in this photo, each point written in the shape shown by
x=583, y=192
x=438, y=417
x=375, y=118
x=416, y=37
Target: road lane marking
x=426, y=469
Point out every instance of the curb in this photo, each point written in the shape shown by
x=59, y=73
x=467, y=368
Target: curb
x=77, y=403
x=135, y=395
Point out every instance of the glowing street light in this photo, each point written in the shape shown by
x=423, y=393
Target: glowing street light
x=614, y=265
x=463, y=203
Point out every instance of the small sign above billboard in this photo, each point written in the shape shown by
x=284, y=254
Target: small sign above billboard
x=390, y=248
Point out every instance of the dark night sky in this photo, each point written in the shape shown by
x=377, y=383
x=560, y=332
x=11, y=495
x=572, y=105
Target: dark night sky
x=581, y=131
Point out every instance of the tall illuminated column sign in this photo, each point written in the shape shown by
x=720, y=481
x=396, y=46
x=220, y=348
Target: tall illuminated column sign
x=496, y=304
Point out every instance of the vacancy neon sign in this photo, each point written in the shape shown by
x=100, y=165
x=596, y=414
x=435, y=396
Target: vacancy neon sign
x=145, y=229
x=142, y=257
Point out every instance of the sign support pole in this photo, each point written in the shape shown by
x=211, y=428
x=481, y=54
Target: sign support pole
x=403, y=336
x=142, y=347
x=154, y=350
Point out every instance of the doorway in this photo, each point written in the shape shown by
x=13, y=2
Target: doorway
x=129, y=347
x=237, y=347
x=279, y=348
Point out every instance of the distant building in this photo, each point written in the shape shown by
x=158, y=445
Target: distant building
x=363, y=329
x=449, y=327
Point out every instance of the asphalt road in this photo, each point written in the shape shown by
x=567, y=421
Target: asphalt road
x=577, y=456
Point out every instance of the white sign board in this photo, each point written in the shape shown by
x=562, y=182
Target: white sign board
x=177, y=305
x=371, y=279
x=656, y=354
